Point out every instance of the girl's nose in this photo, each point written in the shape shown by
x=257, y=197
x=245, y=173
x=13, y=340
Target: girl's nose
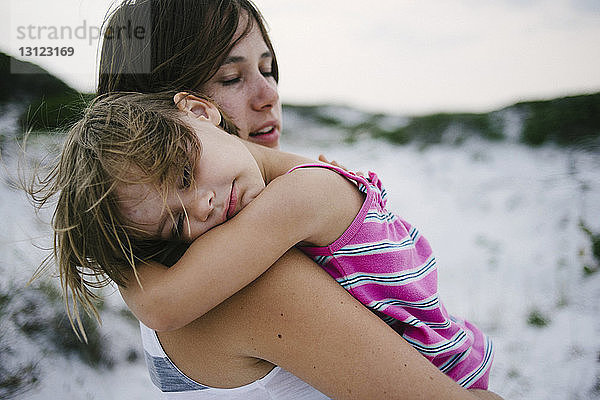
x=265, y=95
x=203, y=205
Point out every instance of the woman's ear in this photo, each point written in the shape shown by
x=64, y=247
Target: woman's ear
x=197, y=107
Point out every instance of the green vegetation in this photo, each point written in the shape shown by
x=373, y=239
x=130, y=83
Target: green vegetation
x=18, y=380
x=315, y=113
x=426, y=129
x=17, y=375
x=445, y=128
x=569, y=122
x=48, y=103
x=39, y=314
x=54, y=112
x=35, y=84
x=592, y=268
x=596, y=389
x=536, y=318
x=34, y=316
x=128, y=316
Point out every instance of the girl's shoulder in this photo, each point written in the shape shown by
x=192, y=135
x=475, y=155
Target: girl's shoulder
x=323, y=177
x=320, y=185
x=328, y=199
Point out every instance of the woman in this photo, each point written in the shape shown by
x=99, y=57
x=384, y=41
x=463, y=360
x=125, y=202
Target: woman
x=315, y=330
x=236, y=67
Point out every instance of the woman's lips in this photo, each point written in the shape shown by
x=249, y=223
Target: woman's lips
x=232, y=202
x=268, y=135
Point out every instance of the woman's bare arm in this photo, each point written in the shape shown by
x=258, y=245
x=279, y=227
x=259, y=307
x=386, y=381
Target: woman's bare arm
x=485, y=394
x=298, y=317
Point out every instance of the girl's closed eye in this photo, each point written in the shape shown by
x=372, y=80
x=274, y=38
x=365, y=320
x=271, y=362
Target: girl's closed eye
x=177, y=231
x=186, y=177
x=178, y=220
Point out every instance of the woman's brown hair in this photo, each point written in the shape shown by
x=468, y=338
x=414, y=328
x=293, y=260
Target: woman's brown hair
x=157, y=45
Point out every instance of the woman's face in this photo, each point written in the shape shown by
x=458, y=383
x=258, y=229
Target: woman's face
x=246, y=90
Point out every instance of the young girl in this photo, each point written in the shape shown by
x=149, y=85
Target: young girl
x=150, y=173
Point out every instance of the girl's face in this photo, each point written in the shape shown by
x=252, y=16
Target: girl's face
x=224, y=180
x=246, y=90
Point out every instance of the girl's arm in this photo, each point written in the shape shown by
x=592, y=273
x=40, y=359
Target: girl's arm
x=296, y=316
x=291, y=209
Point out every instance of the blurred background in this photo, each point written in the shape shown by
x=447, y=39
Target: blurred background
x=482, y=119
x=398, y=56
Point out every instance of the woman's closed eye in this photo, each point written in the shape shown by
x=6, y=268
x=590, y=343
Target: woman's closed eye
x=267, y=73
x=230, y=81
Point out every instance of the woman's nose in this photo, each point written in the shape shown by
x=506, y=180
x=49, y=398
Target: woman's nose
x=265, y=95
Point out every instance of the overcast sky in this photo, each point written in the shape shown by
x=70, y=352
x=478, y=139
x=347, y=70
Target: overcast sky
x=396, y=56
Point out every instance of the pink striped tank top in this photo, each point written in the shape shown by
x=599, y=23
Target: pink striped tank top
x=388, y=266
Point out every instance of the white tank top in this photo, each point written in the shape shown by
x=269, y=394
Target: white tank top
x=278, y=384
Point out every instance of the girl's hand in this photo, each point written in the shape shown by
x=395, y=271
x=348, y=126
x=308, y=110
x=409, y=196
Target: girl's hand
x=322, y=158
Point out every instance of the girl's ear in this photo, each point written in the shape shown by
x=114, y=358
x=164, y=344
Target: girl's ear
x=197, y=107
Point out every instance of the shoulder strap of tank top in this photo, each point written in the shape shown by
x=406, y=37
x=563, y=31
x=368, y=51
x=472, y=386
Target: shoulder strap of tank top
x=341, y=171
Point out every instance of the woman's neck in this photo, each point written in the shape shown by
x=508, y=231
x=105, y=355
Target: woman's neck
x=273, y=163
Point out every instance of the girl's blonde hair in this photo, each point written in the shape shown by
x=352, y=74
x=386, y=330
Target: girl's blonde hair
x=122, y=138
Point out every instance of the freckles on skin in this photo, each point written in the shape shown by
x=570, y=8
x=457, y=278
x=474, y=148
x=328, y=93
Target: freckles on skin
x=246, y=90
